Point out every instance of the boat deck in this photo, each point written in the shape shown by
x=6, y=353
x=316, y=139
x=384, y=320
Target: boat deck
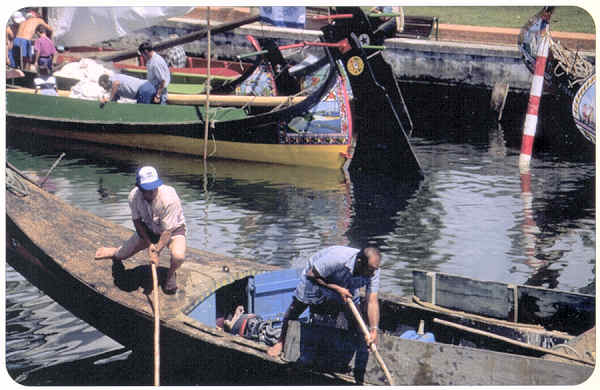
x=74, y=246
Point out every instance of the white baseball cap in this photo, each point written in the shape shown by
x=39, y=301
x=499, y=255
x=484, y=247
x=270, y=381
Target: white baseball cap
x=18, y=17
x=147, y=178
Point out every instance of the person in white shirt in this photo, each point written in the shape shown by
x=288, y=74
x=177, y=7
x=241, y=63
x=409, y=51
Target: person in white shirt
x=159, y=222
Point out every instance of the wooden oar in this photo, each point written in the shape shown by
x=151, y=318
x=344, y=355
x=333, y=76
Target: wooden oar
x=156, y=326
x=372, y=347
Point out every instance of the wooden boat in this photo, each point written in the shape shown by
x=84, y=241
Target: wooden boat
x=255, y=78
x=316, y=130
x=52, y=244
x=566, y=71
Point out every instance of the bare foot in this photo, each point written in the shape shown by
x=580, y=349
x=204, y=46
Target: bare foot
x=105, y=253
x=276, y=349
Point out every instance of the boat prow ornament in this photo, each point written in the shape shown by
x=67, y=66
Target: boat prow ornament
x=584, y=108
x=355, y=65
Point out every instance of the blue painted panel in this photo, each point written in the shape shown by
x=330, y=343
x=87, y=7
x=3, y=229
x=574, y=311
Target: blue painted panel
x=206, y=311
x=270, y=294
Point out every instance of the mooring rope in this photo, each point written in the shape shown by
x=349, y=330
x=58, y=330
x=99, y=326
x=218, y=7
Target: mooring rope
x=569, y=62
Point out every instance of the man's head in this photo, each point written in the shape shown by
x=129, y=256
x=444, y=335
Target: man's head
x=145, y=49
x=368, y=261
x=104, y=82
x=147, y=181
x=41, y=30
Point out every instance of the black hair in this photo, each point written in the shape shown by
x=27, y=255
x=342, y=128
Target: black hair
x=104, y=80
x=361, y=255
x=364, y=253
x=145, y=46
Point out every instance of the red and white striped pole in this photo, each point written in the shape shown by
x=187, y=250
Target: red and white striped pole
x=535, y=94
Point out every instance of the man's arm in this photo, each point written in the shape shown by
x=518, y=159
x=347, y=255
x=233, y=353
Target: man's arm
x=159, y=90
x=141, y=231
x=373, y=315
x=114, y=90
x=314, y=276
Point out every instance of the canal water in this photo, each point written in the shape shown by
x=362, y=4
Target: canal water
x=473, y=214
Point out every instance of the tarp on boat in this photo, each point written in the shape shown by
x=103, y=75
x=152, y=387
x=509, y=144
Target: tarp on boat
x=80, y=26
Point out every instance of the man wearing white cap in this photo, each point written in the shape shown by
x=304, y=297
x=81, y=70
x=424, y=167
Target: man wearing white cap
x=159, y=222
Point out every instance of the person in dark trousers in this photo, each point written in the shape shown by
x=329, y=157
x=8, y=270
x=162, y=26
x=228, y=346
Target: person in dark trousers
x=44, y=48
x=335, y=274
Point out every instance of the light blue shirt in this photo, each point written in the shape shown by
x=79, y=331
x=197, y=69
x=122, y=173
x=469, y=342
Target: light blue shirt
x=128, y=85
x=158, y=70
x=335, y=264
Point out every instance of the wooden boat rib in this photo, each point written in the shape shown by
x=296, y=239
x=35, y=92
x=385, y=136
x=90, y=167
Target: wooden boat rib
x=52, y=244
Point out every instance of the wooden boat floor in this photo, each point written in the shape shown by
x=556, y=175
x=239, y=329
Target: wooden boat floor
x=71, y=236
x=583, y=346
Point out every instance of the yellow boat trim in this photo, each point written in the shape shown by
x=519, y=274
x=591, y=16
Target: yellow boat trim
x=215, y=100
x=325, y=156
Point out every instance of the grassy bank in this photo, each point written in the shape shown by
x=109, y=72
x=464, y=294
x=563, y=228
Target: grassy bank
x=570, y=19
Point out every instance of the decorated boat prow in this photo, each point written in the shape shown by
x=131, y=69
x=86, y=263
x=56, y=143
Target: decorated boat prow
x=567, y=71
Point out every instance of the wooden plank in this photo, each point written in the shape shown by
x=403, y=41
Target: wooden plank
x=219, y=100
x=460, y=293
x=571, y=312
x=234, y=100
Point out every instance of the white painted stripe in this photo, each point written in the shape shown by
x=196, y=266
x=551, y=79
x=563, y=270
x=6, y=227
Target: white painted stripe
x=524, y=160
x=530, y=125
x=537, y=85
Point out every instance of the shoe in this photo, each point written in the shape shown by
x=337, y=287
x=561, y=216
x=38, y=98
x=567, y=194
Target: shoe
x=170, y=286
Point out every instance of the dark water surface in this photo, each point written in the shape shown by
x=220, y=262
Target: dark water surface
x=469, y=216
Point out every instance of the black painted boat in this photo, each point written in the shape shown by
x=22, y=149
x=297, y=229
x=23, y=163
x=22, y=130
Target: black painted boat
x=53, y=244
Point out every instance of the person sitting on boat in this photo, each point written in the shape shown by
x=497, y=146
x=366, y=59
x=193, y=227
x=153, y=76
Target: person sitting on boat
x=45, y=83
x=335, y=274
x=251, y=326
x=44, y=48
x=121, y=86
x=158, y=76
x=159, y=222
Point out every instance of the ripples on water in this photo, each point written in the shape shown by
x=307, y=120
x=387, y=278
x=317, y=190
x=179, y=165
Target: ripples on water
x=469, y=216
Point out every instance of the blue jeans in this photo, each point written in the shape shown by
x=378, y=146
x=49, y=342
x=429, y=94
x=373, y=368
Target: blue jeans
x=146, y=93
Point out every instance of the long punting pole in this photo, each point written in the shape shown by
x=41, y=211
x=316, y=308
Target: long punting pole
x=207, y=105
x=156, y=325
x=535, y=94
